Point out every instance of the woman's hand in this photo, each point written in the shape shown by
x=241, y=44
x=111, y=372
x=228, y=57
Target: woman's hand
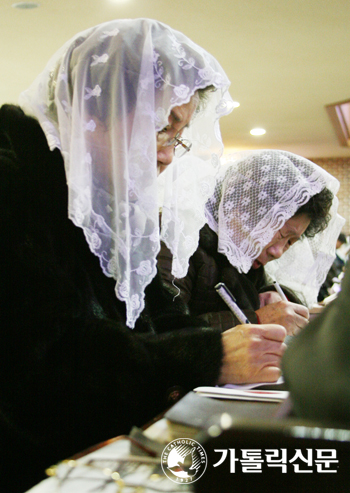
x=269, y=297
x=290, y=315
x=252, y=354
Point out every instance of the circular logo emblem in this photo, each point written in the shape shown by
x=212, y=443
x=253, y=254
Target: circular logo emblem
x=184, y=460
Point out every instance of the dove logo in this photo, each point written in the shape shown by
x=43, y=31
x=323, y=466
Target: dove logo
x=184, y=460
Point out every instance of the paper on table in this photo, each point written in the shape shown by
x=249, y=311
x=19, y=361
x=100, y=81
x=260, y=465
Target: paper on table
x=246, y=395
x=249, y=386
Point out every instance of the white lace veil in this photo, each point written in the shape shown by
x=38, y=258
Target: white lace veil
x=100, y=100
x=256, y=193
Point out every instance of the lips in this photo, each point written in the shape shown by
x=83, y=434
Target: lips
x=256, y=264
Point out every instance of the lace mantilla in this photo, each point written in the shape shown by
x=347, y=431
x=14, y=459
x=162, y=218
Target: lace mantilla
x=100, y=100
x=256, y=193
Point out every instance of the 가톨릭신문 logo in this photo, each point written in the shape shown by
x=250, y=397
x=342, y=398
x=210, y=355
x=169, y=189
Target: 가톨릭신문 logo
x=184, y=460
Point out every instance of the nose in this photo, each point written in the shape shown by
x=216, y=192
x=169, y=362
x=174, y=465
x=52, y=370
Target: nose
x=165, y=156
x=277, y=250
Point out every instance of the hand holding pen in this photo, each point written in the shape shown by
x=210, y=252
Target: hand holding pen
x=292, y=316
x=230, y=301
x=252, y=352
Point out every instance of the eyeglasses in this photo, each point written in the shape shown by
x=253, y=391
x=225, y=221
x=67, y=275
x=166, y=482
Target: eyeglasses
x=181, y=146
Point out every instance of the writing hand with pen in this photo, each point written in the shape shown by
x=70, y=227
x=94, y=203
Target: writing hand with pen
x=276, y=309
x=251, y=352
x=292, y=316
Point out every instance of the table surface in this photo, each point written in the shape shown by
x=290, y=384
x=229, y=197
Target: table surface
x=159, y=431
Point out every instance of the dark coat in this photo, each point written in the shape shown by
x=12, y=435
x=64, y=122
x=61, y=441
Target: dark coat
x=316, y=365
x=207, y=268
x=71, y=373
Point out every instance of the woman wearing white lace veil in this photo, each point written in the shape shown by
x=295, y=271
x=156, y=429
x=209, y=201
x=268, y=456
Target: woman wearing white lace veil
x=112, y=104
x=264, y=202
x=101, y=100
x=258, y=192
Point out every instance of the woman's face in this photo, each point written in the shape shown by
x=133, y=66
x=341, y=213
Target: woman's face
x=283, y=239
x=179, y=119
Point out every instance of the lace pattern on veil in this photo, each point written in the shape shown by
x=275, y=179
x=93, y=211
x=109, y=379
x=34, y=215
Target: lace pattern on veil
x=256, y=193
x=100, y=100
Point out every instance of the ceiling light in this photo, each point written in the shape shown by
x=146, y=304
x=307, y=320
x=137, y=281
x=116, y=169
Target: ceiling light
x=25, y=5
x=236, y=104
x=258, y=131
